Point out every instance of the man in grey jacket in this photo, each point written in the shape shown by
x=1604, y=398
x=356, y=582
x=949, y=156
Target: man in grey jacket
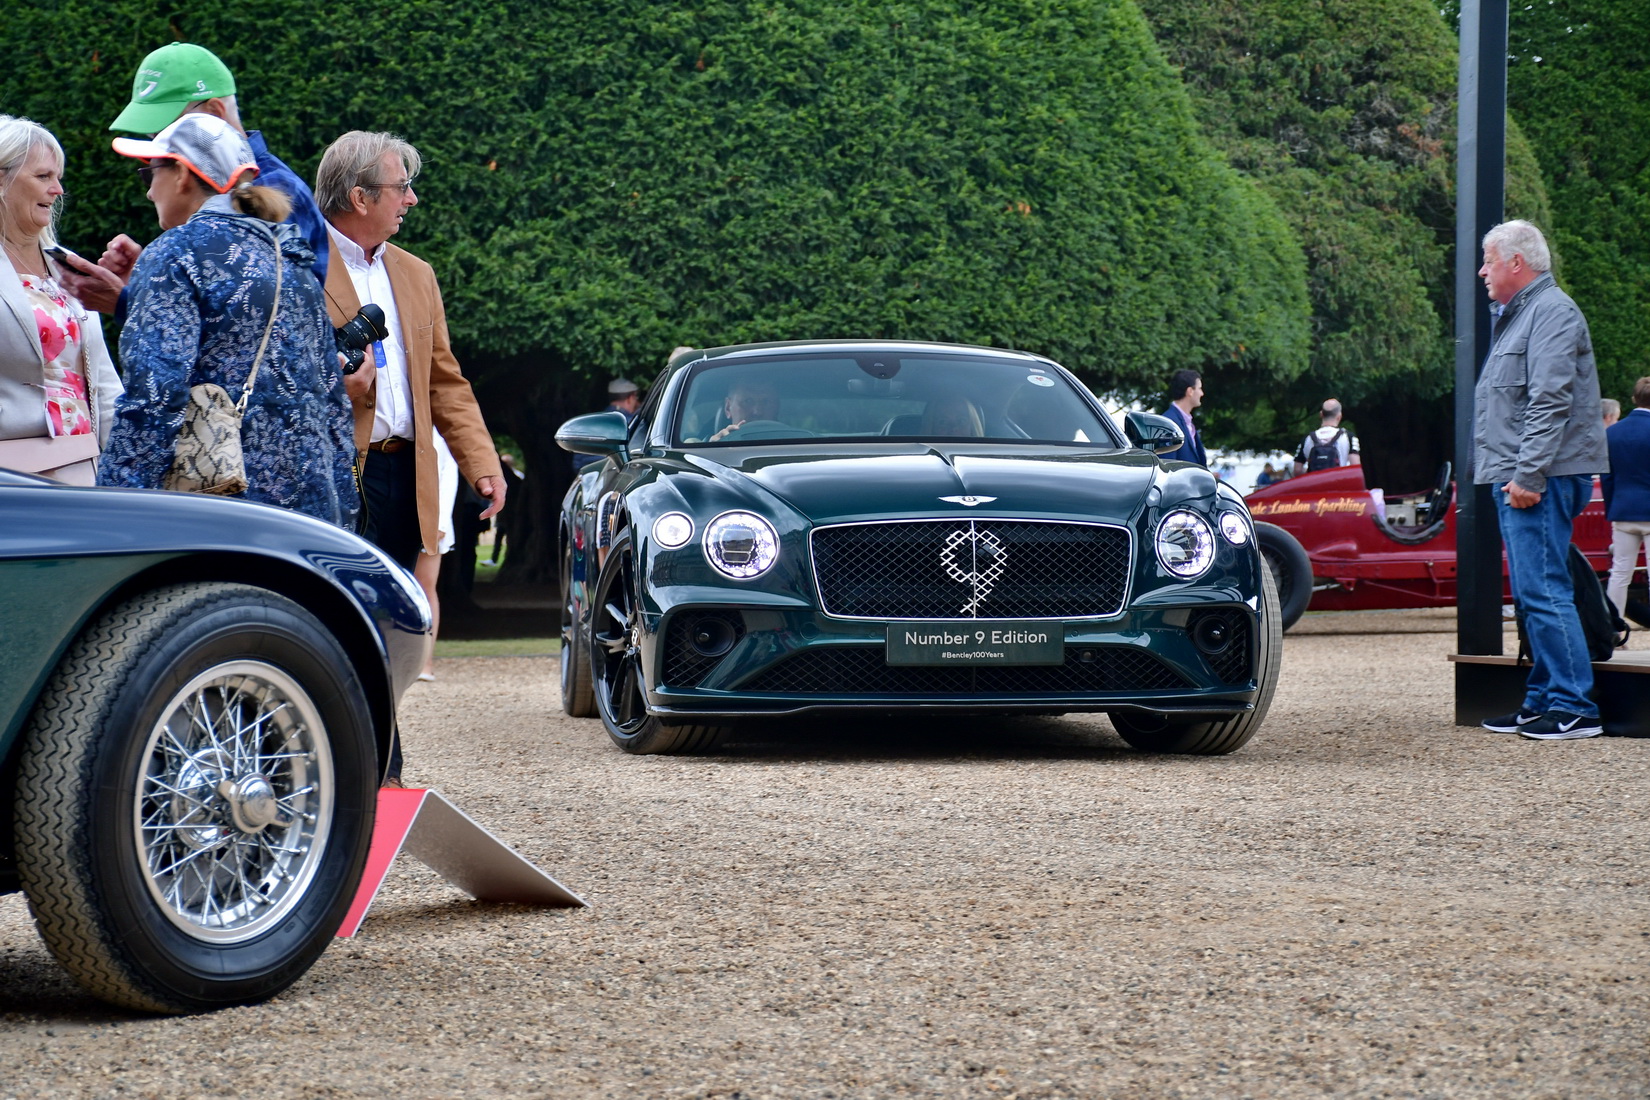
x=1538, y=437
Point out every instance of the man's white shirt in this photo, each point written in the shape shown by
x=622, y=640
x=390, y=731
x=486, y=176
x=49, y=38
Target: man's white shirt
x=392, y=413
x=1345, y=447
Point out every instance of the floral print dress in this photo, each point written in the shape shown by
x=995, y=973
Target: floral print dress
x=68, y=402
x=200, y=300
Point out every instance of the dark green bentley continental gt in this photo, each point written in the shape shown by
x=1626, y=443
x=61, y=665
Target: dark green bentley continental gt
x=880, y=526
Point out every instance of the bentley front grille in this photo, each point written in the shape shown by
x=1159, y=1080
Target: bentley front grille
x=972, y=569
x=844, y=670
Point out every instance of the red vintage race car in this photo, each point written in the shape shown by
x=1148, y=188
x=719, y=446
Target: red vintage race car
x=1336, y=545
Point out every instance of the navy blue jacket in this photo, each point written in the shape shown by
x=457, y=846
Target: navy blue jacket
x=1192, y=450
x=1627, y=485
x=273, y=172
x=201, y=294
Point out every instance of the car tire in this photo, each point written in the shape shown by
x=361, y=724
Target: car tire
x=577, y=698
x=1160, y=734
x=196, y=795
x=1291, y=570
x=616, y=666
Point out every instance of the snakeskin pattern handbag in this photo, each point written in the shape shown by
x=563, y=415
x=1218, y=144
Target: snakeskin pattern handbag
x=207, y=457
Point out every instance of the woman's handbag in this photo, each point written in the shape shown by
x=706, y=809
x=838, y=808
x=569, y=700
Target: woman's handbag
x=208, y=457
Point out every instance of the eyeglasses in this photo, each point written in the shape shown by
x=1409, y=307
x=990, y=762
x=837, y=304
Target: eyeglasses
x=146, y=172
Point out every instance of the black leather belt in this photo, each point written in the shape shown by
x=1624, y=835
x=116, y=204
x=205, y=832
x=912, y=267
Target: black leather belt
x=389, y=446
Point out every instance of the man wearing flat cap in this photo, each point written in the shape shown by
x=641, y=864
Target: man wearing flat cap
x=622, y=397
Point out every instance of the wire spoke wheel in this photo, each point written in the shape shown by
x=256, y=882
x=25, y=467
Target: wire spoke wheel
x=234, y=803
x=195, y=800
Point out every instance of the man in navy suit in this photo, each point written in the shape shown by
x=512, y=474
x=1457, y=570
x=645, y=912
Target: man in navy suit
x=1627, y=495
x=1186, y=394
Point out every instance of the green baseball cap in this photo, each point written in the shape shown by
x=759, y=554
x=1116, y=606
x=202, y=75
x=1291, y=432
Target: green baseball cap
x=169, y=80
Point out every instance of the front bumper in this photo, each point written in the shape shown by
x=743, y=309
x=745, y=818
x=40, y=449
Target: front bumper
x=729, y=661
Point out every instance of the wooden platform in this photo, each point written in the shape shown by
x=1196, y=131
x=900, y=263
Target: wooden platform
x=1487, y=686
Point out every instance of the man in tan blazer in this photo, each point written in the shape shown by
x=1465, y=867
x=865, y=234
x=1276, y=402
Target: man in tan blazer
x=410, y=380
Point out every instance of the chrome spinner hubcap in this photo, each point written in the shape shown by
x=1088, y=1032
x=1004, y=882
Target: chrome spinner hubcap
x=235, y=801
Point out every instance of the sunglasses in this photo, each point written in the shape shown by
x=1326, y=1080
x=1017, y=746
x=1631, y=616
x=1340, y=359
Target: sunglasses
x=146, y=172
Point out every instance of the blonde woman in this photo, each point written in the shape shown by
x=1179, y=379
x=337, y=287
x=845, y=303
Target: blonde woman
x=57, y=384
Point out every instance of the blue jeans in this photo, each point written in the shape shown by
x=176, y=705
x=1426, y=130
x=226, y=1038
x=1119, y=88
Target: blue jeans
x=1538, y=548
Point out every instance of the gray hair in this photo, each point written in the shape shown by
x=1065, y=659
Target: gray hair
x=352, y=161
x=1520, y=238
x=19, y=138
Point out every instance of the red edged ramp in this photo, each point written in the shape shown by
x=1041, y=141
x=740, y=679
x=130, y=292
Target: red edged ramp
x=450, y=843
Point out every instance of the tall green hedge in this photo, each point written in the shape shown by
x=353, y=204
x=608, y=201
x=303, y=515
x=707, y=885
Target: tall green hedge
x=1344, y=113
x=1578, y=82
x=604, y=182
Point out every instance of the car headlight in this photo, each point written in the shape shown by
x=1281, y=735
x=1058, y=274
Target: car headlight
x=672, y=529
x=741, y=545
x=1234, y=527
x=1185, y=545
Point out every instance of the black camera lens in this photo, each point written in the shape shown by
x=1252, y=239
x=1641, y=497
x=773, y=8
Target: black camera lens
x=353, y=338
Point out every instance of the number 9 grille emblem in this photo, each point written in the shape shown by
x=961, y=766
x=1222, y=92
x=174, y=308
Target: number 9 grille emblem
x=975, y=558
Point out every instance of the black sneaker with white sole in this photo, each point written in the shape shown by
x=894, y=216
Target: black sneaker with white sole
x=1559, y=726
x=1515, y=722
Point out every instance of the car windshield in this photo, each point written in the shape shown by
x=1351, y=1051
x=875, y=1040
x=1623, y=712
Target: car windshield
x=897, y=397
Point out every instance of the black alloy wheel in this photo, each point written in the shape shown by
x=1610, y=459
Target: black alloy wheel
x=619, y=680
x=578, y=699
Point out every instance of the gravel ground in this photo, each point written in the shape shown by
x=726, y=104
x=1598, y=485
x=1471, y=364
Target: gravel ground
x=1364, y=901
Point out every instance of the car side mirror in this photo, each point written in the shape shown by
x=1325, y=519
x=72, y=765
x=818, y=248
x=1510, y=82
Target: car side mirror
x=1151, y=432
x=602, y=433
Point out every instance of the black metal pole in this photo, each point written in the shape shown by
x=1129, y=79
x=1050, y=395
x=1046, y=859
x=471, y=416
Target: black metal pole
x=1480, y=192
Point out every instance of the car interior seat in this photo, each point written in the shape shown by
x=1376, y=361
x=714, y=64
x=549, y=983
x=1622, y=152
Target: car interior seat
x=1438, y=502
x=1431, y=514
x=903, y=424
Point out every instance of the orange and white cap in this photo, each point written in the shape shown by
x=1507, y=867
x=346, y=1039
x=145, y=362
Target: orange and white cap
x=205, y=144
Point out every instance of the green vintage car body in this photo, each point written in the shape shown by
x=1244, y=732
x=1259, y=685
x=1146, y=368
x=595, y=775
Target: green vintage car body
x=892, y=543
x=196, y=699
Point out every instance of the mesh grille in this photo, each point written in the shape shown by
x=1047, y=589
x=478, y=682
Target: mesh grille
x=685, y=666
x=1232, y=665
x=861, y=670
x=968, y=569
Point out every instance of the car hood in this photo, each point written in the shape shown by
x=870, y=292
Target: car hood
x=912, y=480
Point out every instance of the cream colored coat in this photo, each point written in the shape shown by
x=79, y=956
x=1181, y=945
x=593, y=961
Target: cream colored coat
x=441, y=396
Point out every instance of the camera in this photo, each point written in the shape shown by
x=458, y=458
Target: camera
x=352, y=338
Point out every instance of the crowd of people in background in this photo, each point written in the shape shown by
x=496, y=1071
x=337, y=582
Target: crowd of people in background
x=243, y=288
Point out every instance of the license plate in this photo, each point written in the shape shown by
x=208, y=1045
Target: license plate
x=977, y=642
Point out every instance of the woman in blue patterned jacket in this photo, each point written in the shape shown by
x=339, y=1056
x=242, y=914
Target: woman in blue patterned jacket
x=199, y=307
